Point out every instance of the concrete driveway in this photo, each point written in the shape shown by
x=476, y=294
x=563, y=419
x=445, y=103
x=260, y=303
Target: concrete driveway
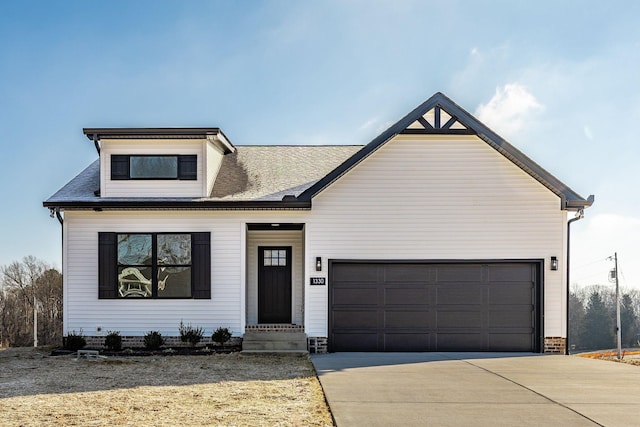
x=478, y=389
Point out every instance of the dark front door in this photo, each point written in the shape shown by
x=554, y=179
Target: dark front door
x=274, y=284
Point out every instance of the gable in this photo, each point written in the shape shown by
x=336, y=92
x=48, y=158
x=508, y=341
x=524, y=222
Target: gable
x=425, y=174
x=441, y=116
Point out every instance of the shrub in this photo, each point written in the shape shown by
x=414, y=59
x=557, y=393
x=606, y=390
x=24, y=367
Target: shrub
x=74, y=341
x=221, y=335
x=190, y=333
x=113, y=341
x=153, y=340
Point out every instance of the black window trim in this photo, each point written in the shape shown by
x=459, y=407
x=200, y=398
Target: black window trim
x=121, y=167
x=200, y=265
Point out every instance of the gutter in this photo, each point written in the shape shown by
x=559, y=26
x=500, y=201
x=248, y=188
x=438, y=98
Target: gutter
x=186, y=204
x=579, y=216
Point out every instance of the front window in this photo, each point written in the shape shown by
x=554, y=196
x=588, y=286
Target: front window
x=154, y=265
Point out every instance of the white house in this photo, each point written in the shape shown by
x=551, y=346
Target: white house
x=438, y=235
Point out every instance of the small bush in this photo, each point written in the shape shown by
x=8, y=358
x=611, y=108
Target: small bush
x=113, y=341
x=75, y=341
x=221, y=335
x=153, y=340
x=190, y=334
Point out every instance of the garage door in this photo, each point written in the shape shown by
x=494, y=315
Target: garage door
x=392, y=306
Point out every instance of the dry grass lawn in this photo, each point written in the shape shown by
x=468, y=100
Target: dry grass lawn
x=229, y=390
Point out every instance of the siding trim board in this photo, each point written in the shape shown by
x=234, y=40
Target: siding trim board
x=425, y=305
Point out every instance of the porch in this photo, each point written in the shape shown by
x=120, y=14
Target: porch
x=274, y=291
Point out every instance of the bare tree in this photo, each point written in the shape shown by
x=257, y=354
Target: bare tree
x=26, y=286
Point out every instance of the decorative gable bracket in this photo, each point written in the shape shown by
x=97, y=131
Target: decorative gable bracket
x=437, y=121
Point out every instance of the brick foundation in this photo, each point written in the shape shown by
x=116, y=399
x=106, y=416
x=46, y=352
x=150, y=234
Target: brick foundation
x=555, y=345
x=274, y=328
x=169, y=342
x=317, y=344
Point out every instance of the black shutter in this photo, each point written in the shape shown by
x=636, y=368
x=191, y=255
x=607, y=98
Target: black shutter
x=107, y=266
x=201, y=265
x=119, y=167
x=188, y=167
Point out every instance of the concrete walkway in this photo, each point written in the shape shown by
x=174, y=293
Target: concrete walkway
x=478, y=389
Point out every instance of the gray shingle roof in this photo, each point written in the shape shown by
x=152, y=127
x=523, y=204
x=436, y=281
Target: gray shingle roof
x=251, y=174
x=81, y=188
x=271, y=172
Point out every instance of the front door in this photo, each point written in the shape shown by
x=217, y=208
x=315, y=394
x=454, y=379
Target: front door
x=274, y=284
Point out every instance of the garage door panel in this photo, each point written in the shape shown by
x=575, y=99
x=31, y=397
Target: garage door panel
x=355, y=296
x=510, y=273
x=406, y=319
x=422, y=306
x=406, y=342
x=363, y=319
x=459, y=319
x=397, y=295
x=360, y=341
x=511, y=318
x=459, y=273
x=458, y=295
x=356, y=273
x=402, y=273
x=459, y=341
x=516, y=293
x=510, y=342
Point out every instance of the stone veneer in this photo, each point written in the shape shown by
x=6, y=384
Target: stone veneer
x=555, y=345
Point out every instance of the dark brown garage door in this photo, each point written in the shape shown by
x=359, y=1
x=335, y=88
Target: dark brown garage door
x=392, y=306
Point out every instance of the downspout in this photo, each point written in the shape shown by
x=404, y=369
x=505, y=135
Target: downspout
x=96, y=142
x=56, y=212
x=579, y=215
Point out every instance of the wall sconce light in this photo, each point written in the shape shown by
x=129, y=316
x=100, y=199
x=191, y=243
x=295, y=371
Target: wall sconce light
x=318, y=263
x=554, y=263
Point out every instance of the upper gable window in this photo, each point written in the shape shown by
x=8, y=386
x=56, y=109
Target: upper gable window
x=153, y=167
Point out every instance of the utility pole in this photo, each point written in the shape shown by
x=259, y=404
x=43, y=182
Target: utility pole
x=614, y=275
x=35, y=322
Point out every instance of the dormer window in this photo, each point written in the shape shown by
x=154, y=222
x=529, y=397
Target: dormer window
x=124, y=167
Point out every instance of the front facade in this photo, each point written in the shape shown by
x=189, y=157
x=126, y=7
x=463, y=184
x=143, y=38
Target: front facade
x=436, y=236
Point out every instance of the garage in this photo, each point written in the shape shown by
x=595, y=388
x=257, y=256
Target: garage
x=444, y=306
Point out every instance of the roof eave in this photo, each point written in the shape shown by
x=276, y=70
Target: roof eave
x=160, y=133
x=186, y=204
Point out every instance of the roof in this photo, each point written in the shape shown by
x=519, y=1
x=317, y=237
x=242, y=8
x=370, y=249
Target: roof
x=289, y=176
x=439, y=115
x=272, y=172
x=252, y=177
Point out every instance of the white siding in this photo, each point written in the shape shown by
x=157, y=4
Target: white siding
x=213, y=162
x=435, y=198
x=150, y=188
x=83, y=309
x=275, y=238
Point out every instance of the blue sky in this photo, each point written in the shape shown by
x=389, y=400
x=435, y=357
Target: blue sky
x=559, y=79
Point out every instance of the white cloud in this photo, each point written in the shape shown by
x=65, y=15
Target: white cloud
x=509, y=109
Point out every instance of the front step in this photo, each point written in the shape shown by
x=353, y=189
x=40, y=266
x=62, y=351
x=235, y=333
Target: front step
x=274, y=342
